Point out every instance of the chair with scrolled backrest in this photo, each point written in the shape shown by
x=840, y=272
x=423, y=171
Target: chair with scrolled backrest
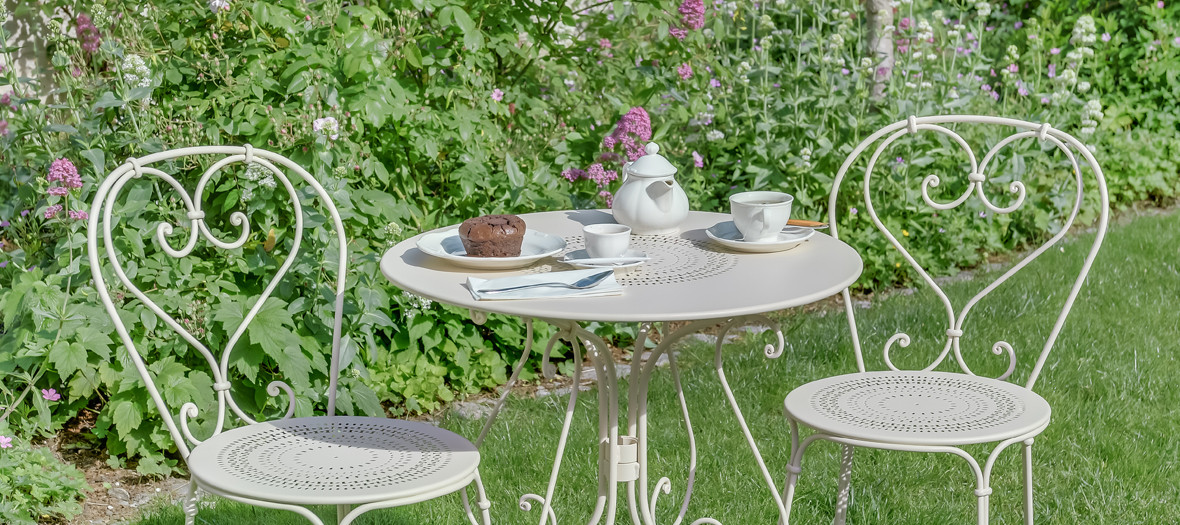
x=941, y=411
x=346, y=461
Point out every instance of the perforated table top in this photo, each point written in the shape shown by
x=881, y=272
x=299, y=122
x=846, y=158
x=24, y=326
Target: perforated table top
x=333, y=460
x=688, y=277
x=920, y=408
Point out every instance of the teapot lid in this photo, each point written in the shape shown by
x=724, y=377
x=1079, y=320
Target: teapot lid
x=651, y=165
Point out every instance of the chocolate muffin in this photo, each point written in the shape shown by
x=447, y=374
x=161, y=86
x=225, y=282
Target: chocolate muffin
x=492, y=236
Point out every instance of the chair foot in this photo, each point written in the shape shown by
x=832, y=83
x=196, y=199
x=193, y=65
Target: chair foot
x=482, y=503
x=189, y=504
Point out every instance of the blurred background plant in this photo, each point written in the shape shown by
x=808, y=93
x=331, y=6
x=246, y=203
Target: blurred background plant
x=421, y=113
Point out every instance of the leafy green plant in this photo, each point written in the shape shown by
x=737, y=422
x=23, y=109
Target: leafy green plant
x=35, y=485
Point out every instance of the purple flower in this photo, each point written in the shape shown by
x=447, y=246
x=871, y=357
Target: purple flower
x=678, y=32
x=845, y=71
x=497, y=95
x=79, y=215
x=983, y=214
x=714, y=83
x=63, y=171
x=24, y=213
x=1018, y=24
x=3, y=264
x=1106, y=37
x=1055, y=51
x=1012, y=68
x=4, y=128
x=1022, y=90
x=1044, y=100
x=604, y=43
x=573, y=174
x=698, y=160
x=692, y=14
x=52, y=211
x=1160, y=4
x=600, y=175
x=5, y=442
x=59, y=191
x=50, y=394
x=4, y=224
x=996, y=96
x=1052, y=70
x=855, y=211
x=685, y=71
x=606, y=195
x=633, y=128
x=89, y=37
x=985, y=87
x=1176, y=41
x=900, y=160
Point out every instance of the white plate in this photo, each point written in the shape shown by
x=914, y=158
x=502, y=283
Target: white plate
x=571, y=259
x=726, y=234
x=447, y=245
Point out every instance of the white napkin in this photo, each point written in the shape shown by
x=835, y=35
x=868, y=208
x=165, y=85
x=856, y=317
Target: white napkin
x=609, y=286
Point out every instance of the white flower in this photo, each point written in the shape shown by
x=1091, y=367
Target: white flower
x=135, y=71
x=911, y=85
x=714, y=135
x=219, y=5
x=926, y=84
x=953, y=93
x=1084, y=31
x=327, y=127
x=938, y=14
x=984, y=8
x=925, y=32
x=931, y=56
x=1083, y=87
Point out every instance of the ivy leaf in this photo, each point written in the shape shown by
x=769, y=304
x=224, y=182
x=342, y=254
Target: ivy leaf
x=67, y=358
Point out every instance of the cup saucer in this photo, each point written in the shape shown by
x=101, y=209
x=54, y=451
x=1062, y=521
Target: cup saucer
x=571, y=259
x=726, y=234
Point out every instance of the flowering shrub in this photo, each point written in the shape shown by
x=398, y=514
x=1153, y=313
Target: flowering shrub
x=420, y=114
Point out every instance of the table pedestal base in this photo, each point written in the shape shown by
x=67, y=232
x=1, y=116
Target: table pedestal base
x=623, y=457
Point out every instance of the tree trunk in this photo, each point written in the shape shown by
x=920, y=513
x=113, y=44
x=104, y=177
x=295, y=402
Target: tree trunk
x=880, y=43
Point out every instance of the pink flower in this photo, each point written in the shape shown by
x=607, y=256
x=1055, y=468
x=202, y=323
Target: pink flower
x=698, y=160
x=904, y=24
x=606, y=195
x=62, y=170
x=600, y=175
x=573, y=174
x=1012, y=68
x=1018, y=24
x=497, y=95
x=632, y=129
x=1106, y=37
x=59, y=191
x=5, y=442
x=678, y=32
x=714, y=83
x=1022, y=90
x=88, y=36
x=692, y=13
x=1160, y=4
x=604, y=43
x=51, y=211
x=685, y=71
x=1055, y=51
x=845, y=71
x=1052, y=70
x=79, y=215
x=985, y=87
x=4, y=128
x=1044, y=100
x=50, y=394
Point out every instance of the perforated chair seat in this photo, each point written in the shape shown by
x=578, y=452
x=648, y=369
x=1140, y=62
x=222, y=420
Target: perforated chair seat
x=918, y=408
x=334, y=460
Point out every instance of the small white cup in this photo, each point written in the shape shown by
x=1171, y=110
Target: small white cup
x=760, y=215
x=607, y=240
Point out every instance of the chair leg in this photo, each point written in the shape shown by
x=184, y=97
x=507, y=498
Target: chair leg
x=793, y=470
x=189, y=503
x=341, y=512
x=482, y=503
x=982, y=494
x=844, y=487
x=1028, y=482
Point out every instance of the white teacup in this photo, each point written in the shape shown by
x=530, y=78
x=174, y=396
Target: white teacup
x=760, y=215
x=607, y=240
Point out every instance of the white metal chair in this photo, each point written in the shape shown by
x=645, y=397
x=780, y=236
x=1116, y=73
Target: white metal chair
x=927, y=410
x=346, y=461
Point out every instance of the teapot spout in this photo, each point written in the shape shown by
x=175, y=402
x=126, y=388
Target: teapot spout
x=661, y=192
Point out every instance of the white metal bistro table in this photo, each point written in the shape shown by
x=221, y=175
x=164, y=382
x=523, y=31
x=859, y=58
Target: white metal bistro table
x=689, y=278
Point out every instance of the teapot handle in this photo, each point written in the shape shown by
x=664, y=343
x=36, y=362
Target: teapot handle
x=623, y=178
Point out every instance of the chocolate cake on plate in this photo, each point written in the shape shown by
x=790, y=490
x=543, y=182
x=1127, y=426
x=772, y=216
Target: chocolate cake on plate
x=492, y=236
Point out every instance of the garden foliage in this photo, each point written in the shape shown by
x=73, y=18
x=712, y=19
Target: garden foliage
x=420, y=113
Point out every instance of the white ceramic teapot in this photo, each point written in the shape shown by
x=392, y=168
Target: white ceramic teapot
x=650, y=201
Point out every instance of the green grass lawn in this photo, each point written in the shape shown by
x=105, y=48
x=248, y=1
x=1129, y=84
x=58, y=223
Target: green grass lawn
x=1111, y=454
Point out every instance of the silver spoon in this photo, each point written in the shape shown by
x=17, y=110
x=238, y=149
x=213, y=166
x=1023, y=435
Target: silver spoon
x=580, y=284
